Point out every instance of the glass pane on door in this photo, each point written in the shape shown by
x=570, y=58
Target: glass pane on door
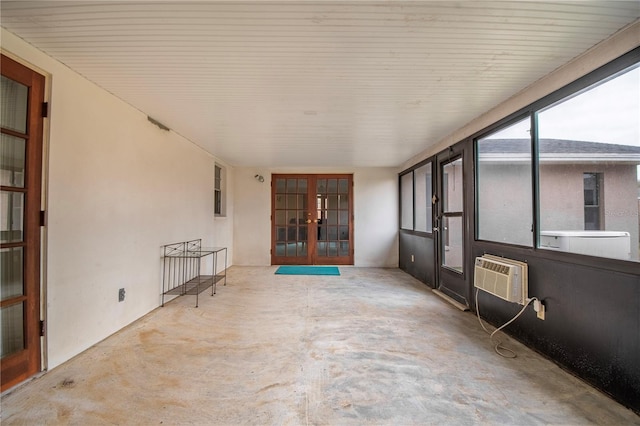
x=452, y=195
x=13, y=105
x=452, y=239
x=12, y=161
x=11, y=226
x=11, y=273
x=332, y=206
x=452, y=243
x=291, y=215
x=12, y=329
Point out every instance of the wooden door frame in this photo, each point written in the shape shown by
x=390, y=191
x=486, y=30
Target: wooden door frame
x=24, y=364
x=312, y=257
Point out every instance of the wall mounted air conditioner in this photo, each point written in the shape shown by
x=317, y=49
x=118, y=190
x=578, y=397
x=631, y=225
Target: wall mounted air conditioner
x=504, y=278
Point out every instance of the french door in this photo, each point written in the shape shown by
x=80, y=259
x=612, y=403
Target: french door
x=312, y=219
x=20, y=180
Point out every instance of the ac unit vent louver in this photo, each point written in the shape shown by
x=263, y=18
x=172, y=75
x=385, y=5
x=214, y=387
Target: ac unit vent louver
x=504, y=278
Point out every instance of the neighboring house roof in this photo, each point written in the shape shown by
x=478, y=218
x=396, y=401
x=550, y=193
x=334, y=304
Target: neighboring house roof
x=560, y=150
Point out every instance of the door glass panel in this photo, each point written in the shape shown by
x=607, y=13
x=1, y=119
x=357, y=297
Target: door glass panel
x=332, y=201
x=333, y=210
x=11, y=273
x=344, y=248
x=13, y=105
x=344, y=233
x=452, y=195
x=11, y=227
x=302, y=241
x=302, y=201
x=292, y=233
x=291, y=214
x=452, y=243
x=12, y=338
x=343, y=201
x=333, y=233
x=344, y=217
x=291, y=185
x=332, y=217
x=12, y=161
x=343, y=186
x=302, y=186
x=291, y=249
x=322, y=232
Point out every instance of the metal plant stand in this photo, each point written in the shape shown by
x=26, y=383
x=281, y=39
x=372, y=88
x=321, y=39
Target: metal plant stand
x=181, y=269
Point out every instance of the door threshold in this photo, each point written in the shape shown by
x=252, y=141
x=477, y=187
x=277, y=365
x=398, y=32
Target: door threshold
x=449, y=299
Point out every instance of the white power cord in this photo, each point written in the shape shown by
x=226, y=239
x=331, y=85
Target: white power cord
x=498, y=347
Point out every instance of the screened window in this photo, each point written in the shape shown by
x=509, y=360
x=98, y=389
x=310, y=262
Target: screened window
x=219, y=191
x=406, y=201
x=589, y=152
x=504, y=201
x=593, y=207
x=423, y=193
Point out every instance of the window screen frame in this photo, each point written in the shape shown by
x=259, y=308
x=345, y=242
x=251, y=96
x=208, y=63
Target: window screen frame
x=429, y=233
x=604, y=72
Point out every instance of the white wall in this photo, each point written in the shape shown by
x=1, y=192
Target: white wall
x=118, y=189
x=223, y=225
x=375, y=210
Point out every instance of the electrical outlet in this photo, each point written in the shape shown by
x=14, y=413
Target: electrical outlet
x=121, y=293
x=538, y=306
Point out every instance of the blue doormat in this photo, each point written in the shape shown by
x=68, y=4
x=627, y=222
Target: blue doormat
x=308, y=270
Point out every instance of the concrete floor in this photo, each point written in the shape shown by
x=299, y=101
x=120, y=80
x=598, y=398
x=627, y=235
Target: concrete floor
x=373, y=346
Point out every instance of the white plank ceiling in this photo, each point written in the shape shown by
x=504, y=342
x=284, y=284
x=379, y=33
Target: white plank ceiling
x=315, y=83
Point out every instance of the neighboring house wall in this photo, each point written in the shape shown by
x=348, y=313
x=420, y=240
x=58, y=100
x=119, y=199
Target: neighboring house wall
x=118, y=188
x=561, y=197
x=375, y=210
x=507, y=201
x=561, y=200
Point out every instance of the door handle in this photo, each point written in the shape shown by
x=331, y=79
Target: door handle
x=436, y=229
x=308, y=220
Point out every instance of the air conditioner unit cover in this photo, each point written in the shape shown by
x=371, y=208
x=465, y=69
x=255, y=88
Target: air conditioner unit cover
x=500, y=278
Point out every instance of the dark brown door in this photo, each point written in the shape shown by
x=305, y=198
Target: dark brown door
x=312, y=220
x=450, y=226
x=21, y=177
